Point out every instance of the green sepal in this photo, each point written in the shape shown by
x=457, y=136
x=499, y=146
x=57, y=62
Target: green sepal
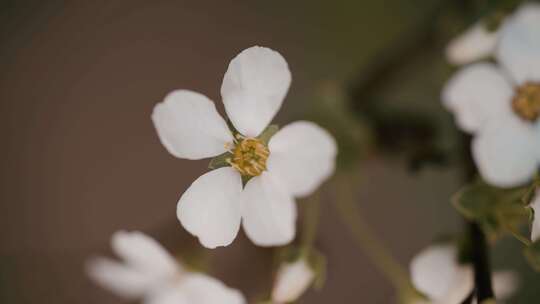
x=314, y=258
x=195, y=259
x=245, y=180
x=289, y=254
x=220, y=161
x=268, y=133
x=531, y=190
x=231, y=127
x=532, y=253
x=317, y=261
x=498, y=211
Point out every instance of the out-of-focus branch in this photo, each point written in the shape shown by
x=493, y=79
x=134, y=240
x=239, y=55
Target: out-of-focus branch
x=374, y=249
x=310, y=221
x=412, y=43
x=410, y=132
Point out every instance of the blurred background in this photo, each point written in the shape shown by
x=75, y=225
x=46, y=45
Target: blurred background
x=80, y=158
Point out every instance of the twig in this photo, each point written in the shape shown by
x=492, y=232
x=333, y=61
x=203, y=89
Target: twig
x=365, y=237
x=482, y=269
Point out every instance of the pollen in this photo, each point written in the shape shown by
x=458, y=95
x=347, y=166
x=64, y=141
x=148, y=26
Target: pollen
x=249, y=156
x=526, y=101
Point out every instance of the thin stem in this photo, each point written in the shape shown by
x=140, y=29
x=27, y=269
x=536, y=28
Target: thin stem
x=365, y=237
x=482, y=269
x=311, y=220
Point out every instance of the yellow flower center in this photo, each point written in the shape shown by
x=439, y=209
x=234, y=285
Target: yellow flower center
x=249, y=156
x=526, y=102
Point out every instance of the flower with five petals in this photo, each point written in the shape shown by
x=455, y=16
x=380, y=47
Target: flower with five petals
x=258, y=187
x=500, y=104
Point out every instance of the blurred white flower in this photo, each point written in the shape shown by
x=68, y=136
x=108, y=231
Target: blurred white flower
x=297, y=159
x=535, y=229
x=292, y=280
x=147, y=271
x=436, y=273
x=478, y=42
x=500, y=105
x=505, y=283
x=474, y=44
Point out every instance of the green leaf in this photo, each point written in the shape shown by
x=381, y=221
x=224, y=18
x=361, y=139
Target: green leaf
x=268, y=133
x=220, y=161
x=498, y=211
x=289, y=254
x=532, y=253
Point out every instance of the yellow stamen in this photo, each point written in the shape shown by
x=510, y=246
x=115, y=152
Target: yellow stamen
x=526, y=101
x=249, y=156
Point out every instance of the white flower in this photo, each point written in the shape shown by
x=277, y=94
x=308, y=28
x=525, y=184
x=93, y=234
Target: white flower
x=436, y=273
x=500, y=105
x=478, y=42
x=292, y=280
x=535, y=204
x=297, y=159
x=149, y=272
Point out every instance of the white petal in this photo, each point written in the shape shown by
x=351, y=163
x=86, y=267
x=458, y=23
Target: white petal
x=203, y=289
x=189, y=125
x=210, y=207
x=505, y=283
x=477, y=93
x=302, y=156
x=436, y=273
x=506, y=152
x=124, y=281
x=167, y=294
x=476, y=43
x=537, y=130
x=254, y=87
x=269, y=212
x=535, y=204
x=519, y=46
x=144, y=253
x=292, y=280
